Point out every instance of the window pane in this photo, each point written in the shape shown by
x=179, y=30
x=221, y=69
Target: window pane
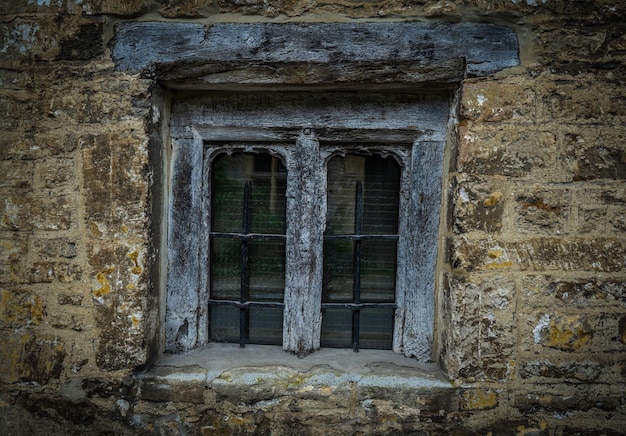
x=266, y=325
x=360, y=250
x=267, y=179
x=266, y=265
x=225, y=268
x=380, y=181
x=376, y=328
x=336, y=328
x=224, y=322
x=381, y=195
x=338, y=271
x=247, y=253
x=378, y=271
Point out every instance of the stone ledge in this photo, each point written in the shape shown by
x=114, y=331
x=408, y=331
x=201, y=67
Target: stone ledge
x=265, y=373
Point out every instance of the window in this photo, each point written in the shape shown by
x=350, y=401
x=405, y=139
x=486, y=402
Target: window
x=247, y=253
x=360, y=247
x=305, y=219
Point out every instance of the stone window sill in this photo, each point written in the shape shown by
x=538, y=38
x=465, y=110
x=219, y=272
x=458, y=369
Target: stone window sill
x=260, y=374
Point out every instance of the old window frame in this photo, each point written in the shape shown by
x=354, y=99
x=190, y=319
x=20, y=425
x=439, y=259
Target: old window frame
x=412, y=128
x=390, y=56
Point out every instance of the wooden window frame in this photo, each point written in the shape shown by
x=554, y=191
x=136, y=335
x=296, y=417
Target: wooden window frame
x=200, y=131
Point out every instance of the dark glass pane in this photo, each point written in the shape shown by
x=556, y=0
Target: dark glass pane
x=225, y=260
x=266, y=325
x=380, y=181
x=224, y=324
x=381, y=195
x=267, y=179
x=338, y=270
x=376, y=328
x=363, y=200
x=267, y=270
x=378, y=271
x=336, y=328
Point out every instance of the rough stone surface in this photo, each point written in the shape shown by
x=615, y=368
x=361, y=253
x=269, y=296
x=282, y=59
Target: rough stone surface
x=530, y=296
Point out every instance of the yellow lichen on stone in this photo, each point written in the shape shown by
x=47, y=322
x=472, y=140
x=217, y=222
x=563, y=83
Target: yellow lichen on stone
x=496, y=254
x=105, y=287
x=479, y=400
x=499, y=265
x=137, y=269
x=568, y=333
x=493, y=199
x=20, y=308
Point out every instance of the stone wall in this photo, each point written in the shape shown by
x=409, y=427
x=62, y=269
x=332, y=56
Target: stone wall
x=531, y=319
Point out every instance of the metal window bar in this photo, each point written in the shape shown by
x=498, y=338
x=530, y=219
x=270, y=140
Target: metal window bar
x=244, y=237
x=358, y=237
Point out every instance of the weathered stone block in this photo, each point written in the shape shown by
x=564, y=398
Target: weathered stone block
x=616, y=217
x=564, y=332
x=13, y=250
x=540, y=254
x=565, y=401
x=477, y=204
x=497, y=102
x=517, y=151
x=54, y=173
x=591, y=220
x=583, y=293
x=86, y=103
x=185, y=8
x=181, y=385
x=480, y=318
x=16, y=174
x=40, y=144
x=585, y=370
x=592, y=153
x=109, y=180
x=609, y=193
x=581, y=99
x=80, y=7
x=15, y=79
x=544, y=211
x=68, y=320
x=83, y=43
x=74, y=299
x=26, y=357
x=20, y=308
x=16, y=110
x=30, y=212
x=479, y=399
x=57, y=247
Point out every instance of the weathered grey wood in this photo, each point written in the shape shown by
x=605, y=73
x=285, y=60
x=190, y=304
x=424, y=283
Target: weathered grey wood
x=420, y=231
x=486, y=47
x=204, y=125
x=306, y=215
x=250, y=75
x=328, y=112
x=184, y=226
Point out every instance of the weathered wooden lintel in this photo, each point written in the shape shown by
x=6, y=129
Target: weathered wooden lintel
x=194, y=55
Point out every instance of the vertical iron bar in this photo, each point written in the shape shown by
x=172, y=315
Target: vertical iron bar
x=245, y=273
x=356, y=259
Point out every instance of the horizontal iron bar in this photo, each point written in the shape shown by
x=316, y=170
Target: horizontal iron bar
x=363, y=237
x=357, y=305
x=248, y=236
x=240, y=305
